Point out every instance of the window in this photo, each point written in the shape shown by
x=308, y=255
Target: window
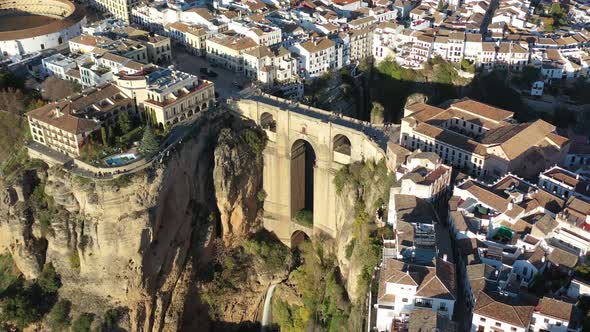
x=557, y=323
x=498, y=324
x=481, y=319
x=404, y=300
x=513, y=329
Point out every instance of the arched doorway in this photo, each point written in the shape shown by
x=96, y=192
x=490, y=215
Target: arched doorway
x=303, y=160
x=297, y=238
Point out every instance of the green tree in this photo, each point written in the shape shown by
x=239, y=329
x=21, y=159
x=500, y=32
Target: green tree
x=377, y=113
x=49, y=281
x=103, y=135
x=123, y=122
x=110, y=135
x=59, y=316
x=148, y=146
x=556, y=9
x=83, y=323
x=109, y=320
x=19, y=310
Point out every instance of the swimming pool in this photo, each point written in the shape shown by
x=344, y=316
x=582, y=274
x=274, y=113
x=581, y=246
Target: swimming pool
x=121, y=159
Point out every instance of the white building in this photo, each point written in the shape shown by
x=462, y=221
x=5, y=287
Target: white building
x=404, y=287
x=491, y=314
x=551, y=315
x=316, y=56
x=424, y=176
x=58, y=64
x=564, y=183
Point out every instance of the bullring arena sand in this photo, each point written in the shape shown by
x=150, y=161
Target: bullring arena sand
x=11, y=23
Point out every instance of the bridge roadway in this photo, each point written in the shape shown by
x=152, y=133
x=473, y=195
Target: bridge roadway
x=379, y=134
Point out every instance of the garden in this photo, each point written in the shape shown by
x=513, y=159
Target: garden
x=121, y=143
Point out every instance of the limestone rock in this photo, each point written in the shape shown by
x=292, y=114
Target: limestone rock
x=237, y=180
x=136, y=241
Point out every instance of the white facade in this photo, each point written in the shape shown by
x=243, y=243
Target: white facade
x=42, y=42
x=578, y=288
x=57, y=64
x=541, y=322
x=315, y=57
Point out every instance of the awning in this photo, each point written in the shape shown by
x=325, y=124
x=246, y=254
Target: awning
x=482, y=210
x=504, y=232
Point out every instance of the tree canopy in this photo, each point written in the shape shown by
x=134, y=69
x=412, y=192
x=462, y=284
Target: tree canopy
x=148, y=146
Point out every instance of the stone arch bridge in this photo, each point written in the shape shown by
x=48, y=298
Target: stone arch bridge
x=306, y=147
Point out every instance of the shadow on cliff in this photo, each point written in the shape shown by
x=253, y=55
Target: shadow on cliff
x=490, y=88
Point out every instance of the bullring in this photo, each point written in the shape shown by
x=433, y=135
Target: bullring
x=28, y=26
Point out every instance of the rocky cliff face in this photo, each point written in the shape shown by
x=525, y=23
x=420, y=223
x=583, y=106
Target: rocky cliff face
x=368, y=184
x=235, y=185
x=138, y=239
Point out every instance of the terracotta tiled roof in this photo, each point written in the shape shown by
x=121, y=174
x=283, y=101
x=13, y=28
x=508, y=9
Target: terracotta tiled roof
x=59, y=115
x=554, y=308
x=432, y=282
x=317, y=45
x=516, y=315
x=484, y=110
x=490, y=199
x=563, y=258
x=546, y=224
x=235, y=42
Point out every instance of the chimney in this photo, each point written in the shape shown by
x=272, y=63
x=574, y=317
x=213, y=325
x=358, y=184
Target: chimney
x=57, y=112
x=445, y=257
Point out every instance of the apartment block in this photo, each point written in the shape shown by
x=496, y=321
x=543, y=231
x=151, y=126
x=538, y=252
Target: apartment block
x=481, y=139
x=67, y=125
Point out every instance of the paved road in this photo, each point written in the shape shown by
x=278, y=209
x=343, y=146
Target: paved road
x=192, y=64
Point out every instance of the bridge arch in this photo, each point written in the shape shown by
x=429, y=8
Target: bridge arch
x=298, y=237
x=268, y=122
x=341, y=143
x=302, y=166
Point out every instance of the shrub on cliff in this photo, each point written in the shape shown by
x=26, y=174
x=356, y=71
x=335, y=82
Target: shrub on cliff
x=49, y=281
x=304, y=218
x=19, y=310
x=83, y=323
x=8, y=272
x=59, y=316
x=325, y=304
x=274, y=255
x=256, y=140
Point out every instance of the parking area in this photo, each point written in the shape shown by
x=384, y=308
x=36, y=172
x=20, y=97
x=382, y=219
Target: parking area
x=224, y=81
